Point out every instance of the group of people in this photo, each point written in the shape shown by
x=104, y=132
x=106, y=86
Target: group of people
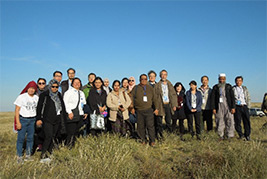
x=59, y=112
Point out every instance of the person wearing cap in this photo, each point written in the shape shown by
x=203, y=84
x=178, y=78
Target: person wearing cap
x=206, y=114
x=25, y=117
x=223, y=106
x=66, y=84
x=167, y=102
x=242, y=101
x=193, y=103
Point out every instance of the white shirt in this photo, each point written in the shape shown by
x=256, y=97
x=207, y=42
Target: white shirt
x=27, y=104
x=71, y=99
x=165, y=90
x=239, y=95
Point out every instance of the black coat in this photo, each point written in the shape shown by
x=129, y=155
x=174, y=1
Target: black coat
x=215, y=95
x=49, y=114
x=94, y=99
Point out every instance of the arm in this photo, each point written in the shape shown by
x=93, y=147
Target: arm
x=212, y=100
x=40, y=106
x=17, y=117
x=188, y=101
x=128, y=101
x=110, y=103
x=248, y=99
x=232, y=101
x=199, y=101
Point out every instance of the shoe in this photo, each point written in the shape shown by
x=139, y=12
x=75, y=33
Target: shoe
x=198, y=137
x=45, y=160
x=28, y=158
x=20, y=160
x=247, y=138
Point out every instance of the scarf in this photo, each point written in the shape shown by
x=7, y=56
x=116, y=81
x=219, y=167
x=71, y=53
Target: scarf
x=31, y=84
x=133, y=84
x=54, y=96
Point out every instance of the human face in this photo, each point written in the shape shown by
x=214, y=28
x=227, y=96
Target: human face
x=131, y=81
x=143, y=80
x=76, y=84
x=222, y=79
x=98, y=84
x=54, y=88
x=106, y=83
x=205, y=81
x=41, y=84
x=164, y=76
x=116, y=87
x=31, y=91
x=58, y=77
x=152, y=77
x=71, y=74
x=179, y=88
x=193, y=87
x=239, y=82
x=125, y=84
x=91, y=78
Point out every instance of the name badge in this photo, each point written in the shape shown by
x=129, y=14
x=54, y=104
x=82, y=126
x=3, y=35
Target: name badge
x=238, y=102
x=194, y=106
x=221, y=100
x=203, y=101
x=145, y=98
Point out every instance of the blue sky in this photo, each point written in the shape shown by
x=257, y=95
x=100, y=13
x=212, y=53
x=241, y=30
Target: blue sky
x=117, y=39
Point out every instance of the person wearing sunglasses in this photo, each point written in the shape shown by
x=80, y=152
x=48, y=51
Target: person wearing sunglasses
x=131, y=83
x=50, y=112
x=41, y=84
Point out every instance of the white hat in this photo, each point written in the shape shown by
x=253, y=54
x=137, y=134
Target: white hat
x=222, y=75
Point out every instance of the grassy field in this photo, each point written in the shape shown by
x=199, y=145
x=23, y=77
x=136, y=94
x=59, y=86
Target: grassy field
x=111, y=156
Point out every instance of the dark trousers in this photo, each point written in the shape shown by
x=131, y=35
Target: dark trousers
x=145, y=121
x=168, y=119
x=73, y=131
x=242, y=113
x=206, y=115
x=196, y=116
x=181, y=125
x=50, y=132
x=158, y=126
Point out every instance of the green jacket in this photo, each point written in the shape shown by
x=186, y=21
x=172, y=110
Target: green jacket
x=86, y=89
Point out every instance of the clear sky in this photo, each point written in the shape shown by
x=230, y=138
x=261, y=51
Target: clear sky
x=117, y=39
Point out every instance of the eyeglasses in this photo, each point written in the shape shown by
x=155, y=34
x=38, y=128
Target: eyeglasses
x=41, y=83
x=131, y=80
x=54, y=86
x=143, y=78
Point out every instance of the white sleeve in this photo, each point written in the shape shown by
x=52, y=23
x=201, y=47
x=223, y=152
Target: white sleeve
x=19, y=101
x=66, y=101
x=83, y=97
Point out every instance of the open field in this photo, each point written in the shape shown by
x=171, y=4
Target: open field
x=110, y=156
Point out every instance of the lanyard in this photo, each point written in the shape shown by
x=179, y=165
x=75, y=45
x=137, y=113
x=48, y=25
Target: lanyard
x=144, y=90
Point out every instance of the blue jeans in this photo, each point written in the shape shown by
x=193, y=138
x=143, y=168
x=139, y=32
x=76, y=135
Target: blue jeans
x=27, y=126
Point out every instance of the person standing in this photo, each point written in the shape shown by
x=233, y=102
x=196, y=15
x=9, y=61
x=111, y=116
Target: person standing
x=167, y=102
x=143, y=97
x=41, y=86
x=152, y=78
x=50, y=112
x=264, y=104
x=223, y=106
x=106, y=86
x=74, y=100
x=194, y=102
x=242, y=101
x=118, y=103
x=86, y=88
x=131, y=83
x=57, y=75
x=206, y=114
x=66, y=84
x=180, y=111
x=25, y=117
x=97, y=101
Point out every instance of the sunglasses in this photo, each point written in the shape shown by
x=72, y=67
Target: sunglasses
x=41, y=83
x=131, y=80
x=54, y=86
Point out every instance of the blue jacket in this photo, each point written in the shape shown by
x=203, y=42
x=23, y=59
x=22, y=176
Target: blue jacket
x=188, y=100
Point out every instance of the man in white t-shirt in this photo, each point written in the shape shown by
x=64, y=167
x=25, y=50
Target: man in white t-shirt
x=25, y=113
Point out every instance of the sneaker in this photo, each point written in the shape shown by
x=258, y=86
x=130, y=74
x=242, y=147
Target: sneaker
x=28, y=158
x=20, y=160
x=247, y=138
x=45, y=160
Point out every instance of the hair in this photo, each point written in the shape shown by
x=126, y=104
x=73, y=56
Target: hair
x=163, y=71
x=177, y=84
x=76, y=78
x=238, y=78
x=98, y=78
x=141, y=76
x=71, y=69
x=91, y=74
x=41, y=79
x=151, y=71
x=54, y=74
x=193, y=82
x=115, y=81
x=204, y=77
x=123, y=80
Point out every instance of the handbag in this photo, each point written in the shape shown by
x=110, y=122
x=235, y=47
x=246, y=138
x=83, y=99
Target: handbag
x=97, y=121
x=75, y=111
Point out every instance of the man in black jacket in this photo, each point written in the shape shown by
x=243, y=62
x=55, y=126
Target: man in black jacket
x=223, y=106
x=67, y=83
